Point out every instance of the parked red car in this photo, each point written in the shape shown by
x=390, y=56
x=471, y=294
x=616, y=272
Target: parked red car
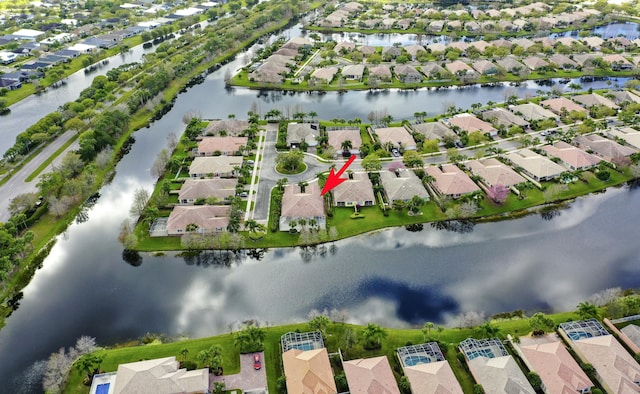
x=256, y=362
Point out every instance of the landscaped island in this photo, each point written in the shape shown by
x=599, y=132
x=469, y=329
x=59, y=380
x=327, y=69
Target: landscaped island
x=489, y=162
x=496, y=355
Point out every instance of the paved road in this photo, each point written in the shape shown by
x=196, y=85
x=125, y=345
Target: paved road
x=17, y=184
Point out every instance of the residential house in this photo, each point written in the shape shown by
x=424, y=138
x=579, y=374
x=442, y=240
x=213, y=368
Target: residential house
x=356, y=190
x=367, y=50
x=433, y=70
x=298, y=132
x=391, y=51
x=370, y=375
x=563, y=61
x=344, y=47
x=559, y=372
x=402, y=185
x=214, y=166
x=459, y=45
x=561, y=105
x=195, y=189
x=436, y=26
x=324, y=74
x=459, y=68
x=437, y=47
x=227, y=127
x=623, y=96
x=381, y=72
x=10, y=84
x=485, y=67
x=298, y=42
x=289, y=52
x=620, y=43
x=471, y=123
x=414, y=50
x=607, y=149
x=99, y=42
x=536, y=166
x=591, y=99
x=302, y=203
x=632, y=332
x=535, y=63
x=454, y=25
x=523, y=42
x=398, y=137
x=532, y=112
x=502, y=43
x=226, y=146
x=618, y=62
x=501, y=117
x=83, y=48
x=568, y=41
x=434, y=131
x=480, y=45
x=546, y=42
x=28, y=35
x=7, y=57
x=308, y=371
x=510, y=64
x=451, y=181
x=353, y=72
x=201, y=219
x=433, y=378
x=572, y=157
x=472, y=26
x=406, y=73
x=493, y=368
x=337, y=137
x=616, y=369
x=627, y=134
x=161, y=376
x=585, y=60
x=593, y=42
x=493, y=172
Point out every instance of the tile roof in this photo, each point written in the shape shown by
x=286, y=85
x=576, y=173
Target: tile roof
x=458, y=66
x=225, y=145
x=629, y=135
x=503, y=117
x=370, y=376
x=209, y=218
x=214, y=164
x=231, y=126
x=603, y=147
x=532, y=111
x=591, y=99
x=337, y=137
x=495, y=172
x=353, y=190
x=193, y=189
x=402, y=186
x=433, y=130
x=433, y=378
x=470, y=123
x=622, y=96
x=556, y=105
x=451, y=180
x=500, y=375
x=395, y=135
x=535, y=164
x=161, y=376
x=571, y=155
x=296, y=204
x=308, y=372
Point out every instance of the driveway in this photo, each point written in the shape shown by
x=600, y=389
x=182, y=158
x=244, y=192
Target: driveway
x=248, y=379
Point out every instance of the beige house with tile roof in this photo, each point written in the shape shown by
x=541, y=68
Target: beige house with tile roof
x=214, y=166
x=593, y=42
x=356, y=190
x=370, y=376
x=232, y=127
x=402, y=185
x=548, y=357
x=532, y=112
x=434, y=70
x=484, y=67
x=382, y=72
x=605, y=148
x=226, y=146
x=501, y=117
x=618, y=62
x=617, y=371
x=308, y=372
x=458, y=67
x=434, y=131
x=523, y=42
x=471, y=123
x=344, y=46
x=622, y=96
x=534, y=165
x=500, y=375
x=510, y=64
x=560, y=104
x=367, y=50
x=406, y=73
x=437, y=47
x=337, y=137
x=325, y=74
x=480, y=45
x=433, y=378
x=535, y=62
x=398, y=136
x=573, y=158
x=493, y=172
x=353, y=71
x=207, y=218
x=298, y=132
x=591, y=99
x=194, y=189
x=413, y=50
x=563, y=61
x=451, y=181
x=307, y=205
x=160, y=376
x=459, y=45
x=629, y=135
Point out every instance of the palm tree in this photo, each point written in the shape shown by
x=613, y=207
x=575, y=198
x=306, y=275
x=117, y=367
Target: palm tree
x=587, y=310
x=320, y=323
x=488, y=330
x=251, y=225
x=313, y=115
x=183, y=352
x=426, y=330
x=300, y=116
x=302, y=185
x=373, y=332
x=346, y=145
x=440, y=329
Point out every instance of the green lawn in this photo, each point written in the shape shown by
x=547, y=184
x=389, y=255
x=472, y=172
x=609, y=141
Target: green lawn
x=334, y=340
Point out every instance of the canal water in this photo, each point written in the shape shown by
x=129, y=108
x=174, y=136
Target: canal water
x=393, y=277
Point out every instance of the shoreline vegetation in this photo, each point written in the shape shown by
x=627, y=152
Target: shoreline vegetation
x=106, y=134
x=350, y=339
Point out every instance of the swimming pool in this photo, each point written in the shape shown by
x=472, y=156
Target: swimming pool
x=575, y=335
x=480, y=353
x=416, y=359
x=102, y=388
x=303, y=346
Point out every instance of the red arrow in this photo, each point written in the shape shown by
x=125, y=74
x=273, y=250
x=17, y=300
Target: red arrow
x=334, y=178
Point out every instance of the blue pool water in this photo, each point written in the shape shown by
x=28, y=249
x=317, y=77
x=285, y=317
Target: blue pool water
x=303, y=346
x=579, y=335
x=480, y=353
x=415, y=360
x=102, y=388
